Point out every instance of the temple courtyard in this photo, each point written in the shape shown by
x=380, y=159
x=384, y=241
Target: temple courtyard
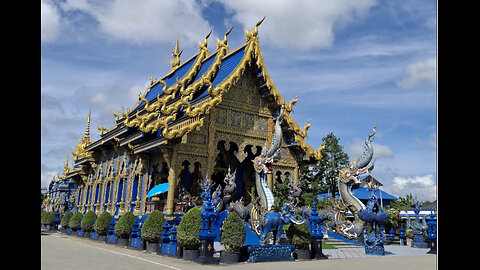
x=61, y=251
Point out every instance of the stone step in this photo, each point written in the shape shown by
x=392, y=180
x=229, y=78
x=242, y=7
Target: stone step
x=338, y=243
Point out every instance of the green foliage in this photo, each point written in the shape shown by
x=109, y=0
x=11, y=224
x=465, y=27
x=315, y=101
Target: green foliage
x=152, y=228
x=66, y=219
x=299, y=235
x=393, y=217
x=124, y=225
x=281, y=193
x=233, y=233
x=402, y=203
x=103, y=223
x=189, y=228
x=75, y=221
x=87, y=221
x=322, y=177
x=47, y=218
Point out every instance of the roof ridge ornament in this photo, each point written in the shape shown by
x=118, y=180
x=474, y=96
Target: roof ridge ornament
x=224, y=42
x=253, y=34
x=175, y=62
x=202, y=46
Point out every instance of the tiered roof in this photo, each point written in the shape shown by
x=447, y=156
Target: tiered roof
x=179, y=102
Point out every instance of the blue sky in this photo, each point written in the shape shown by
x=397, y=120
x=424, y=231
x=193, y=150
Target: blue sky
x=351, y=63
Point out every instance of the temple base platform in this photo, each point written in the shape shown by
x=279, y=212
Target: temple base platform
x=270, y=253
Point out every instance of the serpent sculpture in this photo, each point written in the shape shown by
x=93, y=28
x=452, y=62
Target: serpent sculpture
x=346, y=179
x=263, y=164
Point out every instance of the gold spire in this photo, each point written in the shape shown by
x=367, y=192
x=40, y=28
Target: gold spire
x=176, y=56
x=65, y=167
x=87, y=131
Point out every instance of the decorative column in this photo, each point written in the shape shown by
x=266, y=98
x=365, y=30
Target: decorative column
x=169, y=156
x=402, y=236
x=432, y=233
x=269, y=176
x=315, y=222
x=207, y=235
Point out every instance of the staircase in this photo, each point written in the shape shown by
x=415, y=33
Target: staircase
x=338, y=243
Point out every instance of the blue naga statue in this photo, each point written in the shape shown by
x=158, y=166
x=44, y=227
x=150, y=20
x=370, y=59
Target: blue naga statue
x=262, y=219
x=346, y=179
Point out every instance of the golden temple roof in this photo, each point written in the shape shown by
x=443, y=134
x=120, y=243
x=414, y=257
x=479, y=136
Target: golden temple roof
x=179, y=102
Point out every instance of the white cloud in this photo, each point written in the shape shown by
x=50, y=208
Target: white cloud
x=47, y=177
x=418, y=73
x=149, y=21
x=379, y=150
x=303, y=25
x=424, y=187
x=50, y=27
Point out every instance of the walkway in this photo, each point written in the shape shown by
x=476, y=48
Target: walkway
x=61, y=251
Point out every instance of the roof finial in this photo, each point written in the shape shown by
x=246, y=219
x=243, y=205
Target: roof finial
x=176, y=56
x=224, y=42
x=87, y=131
x=203, y=46
x=65, y=167
x=250, y=34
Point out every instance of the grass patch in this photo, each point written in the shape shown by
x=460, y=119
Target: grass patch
x=327, y=246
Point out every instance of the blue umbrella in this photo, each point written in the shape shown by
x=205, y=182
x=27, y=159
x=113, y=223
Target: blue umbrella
x=158, y=190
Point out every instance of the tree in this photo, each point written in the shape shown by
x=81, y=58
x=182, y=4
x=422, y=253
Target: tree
x=333, y=160
x=322, y=177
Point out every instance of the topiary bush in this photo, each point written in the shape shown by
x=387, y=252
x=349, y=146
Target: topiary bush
x=87, y=221
x=66, y=219
x=75, y=221
x=47, y=218
x=299, y=235
x=124, y=225
x=189, y=228
x=233, y=233
x=152, y=228
x=102, y=224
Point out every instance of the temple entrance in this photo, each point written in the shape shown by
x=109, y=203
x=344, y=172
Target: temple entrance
x=225, y=159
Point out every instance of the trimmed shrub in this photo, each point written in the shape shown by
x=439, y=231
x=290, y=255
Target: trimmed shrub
x=299, y=235
x=189, y=228
x=48, y=217
x=87, y=221
x=152, y=228
x=103, y=223
x=66, y=219
x=123, y=228
x=233, y=233
x=75, y=221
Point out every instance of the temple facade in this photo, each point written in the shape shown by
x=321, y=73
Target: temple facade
x=212, y=113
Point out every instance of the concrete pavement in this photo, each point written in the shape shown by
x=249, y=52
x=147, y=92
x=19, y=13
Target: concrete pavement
x=61, y=251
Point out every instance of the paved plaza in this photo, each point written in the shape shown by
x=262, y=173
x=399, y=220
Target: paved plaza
x=61, y=251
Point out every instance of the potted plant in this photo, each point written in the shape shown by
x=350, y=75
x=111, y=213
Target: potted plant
x=102, y=225
x=87, y=223
x=187, y=234
x=47, y=220
x=75, y=221
x=123, y=228
x=152, y=230
x=300, y=236
x=232, y=237
x=65, y=219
